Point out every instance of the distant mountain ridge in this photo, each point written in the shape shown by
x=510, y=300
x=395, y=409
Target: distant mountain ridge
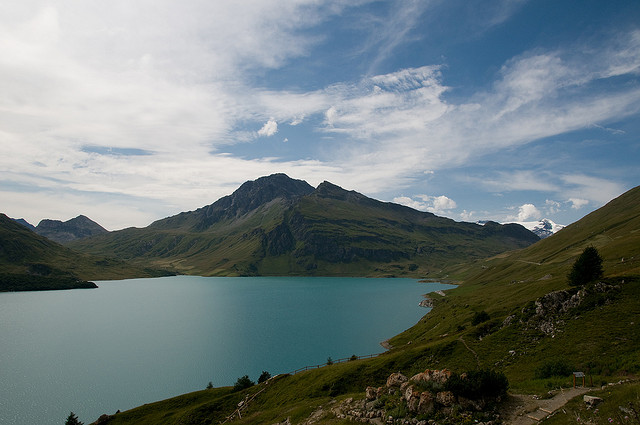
x=543, y=228
x=65, y=231
x=277, y=225
x=70, y=230
x=29, y=261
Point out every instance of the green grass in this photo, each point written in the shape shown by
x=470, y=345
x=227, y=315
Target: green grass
x=615, y=397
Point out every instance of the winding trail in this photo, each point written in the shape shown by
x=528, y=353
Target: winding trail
x=526, y=410
x=472, y=351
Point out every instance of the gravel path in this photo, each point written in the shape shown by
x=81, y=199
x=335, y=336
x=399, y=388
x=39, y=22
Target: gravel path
x=526, y=410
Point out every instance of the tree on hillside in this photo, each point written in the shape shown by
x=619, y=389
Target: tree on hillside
x=242, y=383
x=72, y=419
x=265, y=376
x=587, y=268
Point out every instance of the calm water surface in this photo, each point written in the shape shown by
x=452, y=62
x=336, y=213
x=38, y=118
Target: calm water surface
x=94, y=351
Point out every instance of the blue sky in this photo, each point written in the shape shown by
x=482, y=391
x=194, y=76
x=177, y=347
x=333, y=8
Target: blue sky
x=509, y=110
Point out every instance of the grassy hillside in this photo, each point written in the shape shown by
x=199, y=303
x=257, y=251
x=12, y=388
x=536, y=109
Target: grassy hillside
x=535, y=329
x=29, y=261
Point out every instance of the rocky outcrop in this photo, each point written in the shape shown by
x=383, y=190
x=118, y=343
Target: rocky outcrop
x=423, y=395
x=549, y=313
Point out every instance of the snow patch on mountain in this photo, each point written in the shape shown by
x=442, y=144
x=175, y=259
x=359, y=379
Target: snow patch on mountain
x=543, y=228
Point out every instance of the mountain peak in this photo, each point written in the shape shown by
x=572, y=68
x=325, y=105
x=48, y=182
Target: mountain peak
x=67, y=231
x=250, y=196
x=543, y=228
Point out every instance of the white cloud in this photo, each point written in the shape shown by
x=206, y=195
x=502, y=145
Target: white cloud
x=577, y=203
x=155, y=76
x=467, y=215
x=435, y=204
x=528, y=212
x=552, y=206
x=268, y=129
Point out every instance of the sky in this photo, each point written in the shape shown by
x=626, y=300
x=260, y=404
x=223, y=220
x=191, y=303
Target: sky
x=131, y=111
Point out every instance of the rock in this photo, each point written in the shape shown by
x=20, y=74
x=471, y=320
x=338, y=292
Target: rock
x=413, y=402
x=591, y=401
x=468, y=404
x=396, y=380
x=371, y=393
x=407, y=390
x=103, y=419
x=446, y=398
x=427, y=302
x=426, y=403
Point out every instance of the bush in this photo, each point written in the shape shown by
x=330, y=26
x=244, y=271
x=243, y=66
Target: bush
x=265, y=376
x=478, y=384
x=556, y=367
x=478, y=318
x=329, y=361
x=587, y=268
x=243, y=383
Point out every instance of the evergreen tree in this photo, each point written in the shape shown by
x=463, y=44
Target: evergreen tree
x=72, y=419
x=242, y=383
x=264, y=377
x=587, y=268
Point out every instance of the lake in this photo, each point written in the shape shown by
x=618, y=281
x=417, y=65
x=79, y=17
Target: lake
x=130, y=342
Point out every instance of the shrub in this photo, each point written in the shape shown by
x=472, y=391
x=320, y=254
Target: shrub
x=478, y=318
x=210, y=385
x=242, y=383
x=329, y=361
x=478, y=384
x=587, y=268
x=556, y=367
x=265, y=376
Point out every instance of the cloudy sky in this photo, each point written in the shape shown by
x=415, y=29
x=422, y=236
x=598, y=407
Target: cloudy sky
x=130, y=111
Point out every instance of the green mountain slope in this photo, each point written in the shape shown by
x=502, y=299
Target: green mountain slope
x=278, y=226
x=534, y=323
x=29, y=261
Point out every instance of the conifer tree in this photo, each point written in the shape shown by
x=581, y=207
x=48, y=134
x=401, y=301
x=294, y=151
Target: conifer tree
x=72, y=419
x=587, y=268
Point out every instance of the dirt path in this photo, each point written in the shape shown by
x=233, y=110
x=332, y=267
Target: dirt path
x=525, y=410
x=472, y=351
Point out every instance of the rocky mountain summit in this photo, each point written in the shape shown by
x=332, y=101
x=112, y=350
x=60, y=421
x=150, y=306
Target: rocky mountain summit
x=66, y=231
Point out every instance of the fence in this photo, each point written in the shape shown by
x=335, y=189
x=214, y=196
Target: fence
x=346, y=359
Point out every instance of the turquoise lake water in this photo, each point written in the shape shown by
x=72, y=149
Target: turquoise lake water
x=130, y=342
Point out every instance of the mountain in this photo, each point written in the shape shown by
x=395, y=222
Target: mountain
x=276, y=225
x=543, y=228
x=513, y=313
x=67, y=231
x=29, y=261
x=25, y=223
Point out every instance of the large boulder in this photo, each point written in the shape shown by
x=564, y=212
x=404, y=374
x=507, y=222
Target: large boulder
x=436, y=376
x=446, y=398
x=395, y=380
x=426, y=403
